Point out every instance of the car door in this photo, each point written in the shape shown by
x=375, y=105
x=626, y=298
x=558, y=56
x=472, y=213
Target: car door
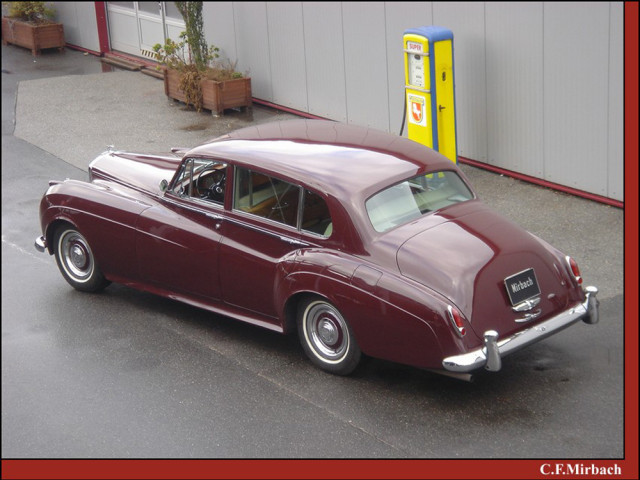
x=178, y=239
x=258, y=233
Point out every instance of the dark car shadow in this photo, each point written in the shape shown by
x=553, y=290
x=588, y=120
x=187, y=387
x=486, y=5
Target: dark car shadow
x=539, y=363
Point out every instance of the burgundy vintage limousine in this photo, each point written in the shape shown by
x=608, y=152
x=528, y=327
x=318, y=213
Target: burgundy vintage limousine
x=361, y=241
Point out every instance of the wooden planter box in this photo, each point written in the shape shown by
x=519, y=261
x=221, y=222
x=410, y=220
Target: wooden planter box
x=34, y=37
x=216, y=96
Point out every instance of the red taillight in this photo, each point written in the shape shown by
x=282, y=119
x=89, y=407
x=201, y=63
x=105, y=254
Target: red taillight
x=575, y=270
x=456, y=320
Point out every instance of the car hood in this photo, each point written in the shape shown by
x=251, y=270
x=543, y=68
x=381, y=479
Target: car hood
x=140, y=172
x=467, y=257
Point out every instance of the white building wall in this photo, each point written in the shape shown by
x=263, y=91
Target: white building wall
x=287, y=58
x=514, y=83
x=467, y=21
x=539, y=85
x=615, y=124
x=80, y=23
x=325, y=60
x=576, y=88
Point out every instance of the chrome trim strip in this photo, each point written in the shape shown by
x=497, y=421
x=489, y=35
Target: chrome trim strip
x=293, y=241
x=255, y=228
x=529, y=316
x=526, y=305
x=206, y=208
x=491, y=354
x=220, y=217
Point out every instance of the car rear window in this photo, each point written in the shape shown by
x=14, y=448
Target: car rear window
x=316, y=218
x=412, y=198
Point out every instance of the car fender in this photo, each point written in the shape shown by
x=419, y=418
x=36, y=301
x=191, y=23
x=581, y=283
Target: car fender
x=385, y=322
x=106, y=216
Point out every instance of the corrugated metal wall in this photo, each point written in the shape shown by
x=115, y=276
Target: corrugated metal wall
x=80, y=25
x=539, y=85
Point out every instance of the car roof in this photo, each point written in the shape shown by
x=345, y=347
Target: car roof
x=335, y=158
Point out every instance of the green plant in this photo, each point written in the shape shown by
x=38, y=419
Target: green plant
x=198, y=49
x=36, y=12
x=220, y=71
x=193, y=57
x=178, y=56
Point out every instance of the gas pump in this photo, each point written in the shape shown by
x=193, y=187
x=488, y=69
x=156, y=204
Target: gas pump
x=429, y=88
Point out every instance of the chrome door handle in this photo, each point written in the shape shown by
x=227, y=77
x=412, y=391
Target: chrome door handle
x=216, y=218
x=529, y=316
x=293, y=241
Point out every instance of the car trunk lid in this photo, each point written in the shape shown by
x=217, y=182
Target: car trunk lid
x=474, y=258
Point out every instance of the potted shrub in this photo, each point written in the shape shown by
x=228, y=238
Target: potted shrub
x=194, y=73
x=31, y=25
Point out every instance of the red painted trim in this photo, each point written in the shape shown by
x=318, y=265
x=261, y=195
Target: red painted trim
x=542, y=183
x=133, y=58
x=288, y=110
x=82, y=49
x=103, y=30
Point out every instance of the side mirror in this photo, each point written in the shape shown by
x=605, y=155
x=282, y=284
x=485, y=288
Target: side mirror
x=164, y=185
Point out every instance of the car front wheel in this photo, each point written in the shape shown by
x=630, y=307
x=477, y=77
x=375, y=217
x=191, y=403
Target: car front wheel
x=76, y=261
x=327, y=338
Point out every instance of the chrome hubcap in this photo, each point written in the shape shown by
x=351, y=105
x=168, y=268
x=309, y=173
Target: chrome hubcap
x=76, y=256
x=326, y=332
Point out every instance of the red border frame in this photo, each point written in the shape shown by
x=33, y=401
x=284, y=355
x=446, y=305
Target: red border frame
x=631, y=235
x=307, y=469
x=445, y=469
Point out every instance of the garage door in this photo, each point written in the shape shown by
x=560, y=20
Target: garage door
x=135, y=27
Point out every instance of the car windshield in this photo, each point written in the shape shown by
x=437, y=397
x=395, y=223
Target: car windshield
x=408, y=200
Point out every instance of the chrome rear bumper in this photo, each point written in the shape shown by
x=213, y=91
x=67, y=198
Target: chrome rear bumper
x=490, y=356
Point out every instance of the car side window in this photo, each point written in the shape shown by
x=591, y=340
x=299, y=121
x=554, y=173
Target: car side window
x=266, y=196
x=316, y=218
x=202, y=178
x=181, y=184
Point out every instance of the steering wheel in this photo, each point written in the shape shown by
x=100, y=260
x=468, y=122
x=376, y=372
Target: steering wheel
x=210, y=186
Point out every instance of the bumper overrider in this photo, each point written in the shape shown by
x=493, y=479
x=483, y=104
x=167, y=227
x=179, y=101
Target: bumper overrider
x=40, y=244
x=490, y=356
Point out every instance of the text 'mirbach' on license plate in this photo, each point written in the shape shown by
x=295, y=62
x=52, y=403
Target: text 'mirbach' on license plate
x=522, y=286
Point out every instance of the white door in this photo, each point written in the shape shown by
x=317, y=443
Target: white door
x=135, y=27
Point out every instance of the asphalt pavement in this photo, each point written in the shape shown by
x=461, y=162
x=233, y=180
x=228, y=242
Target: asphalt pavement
x=59, y=111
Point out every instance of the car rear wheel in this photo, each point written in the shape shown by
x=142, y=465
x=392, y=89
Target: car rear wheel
x=76, y=261
x=326, y=337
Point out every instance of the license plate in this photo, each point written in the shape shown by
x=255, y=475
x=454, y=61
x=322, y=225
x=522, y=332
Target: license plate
x=522, y=286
